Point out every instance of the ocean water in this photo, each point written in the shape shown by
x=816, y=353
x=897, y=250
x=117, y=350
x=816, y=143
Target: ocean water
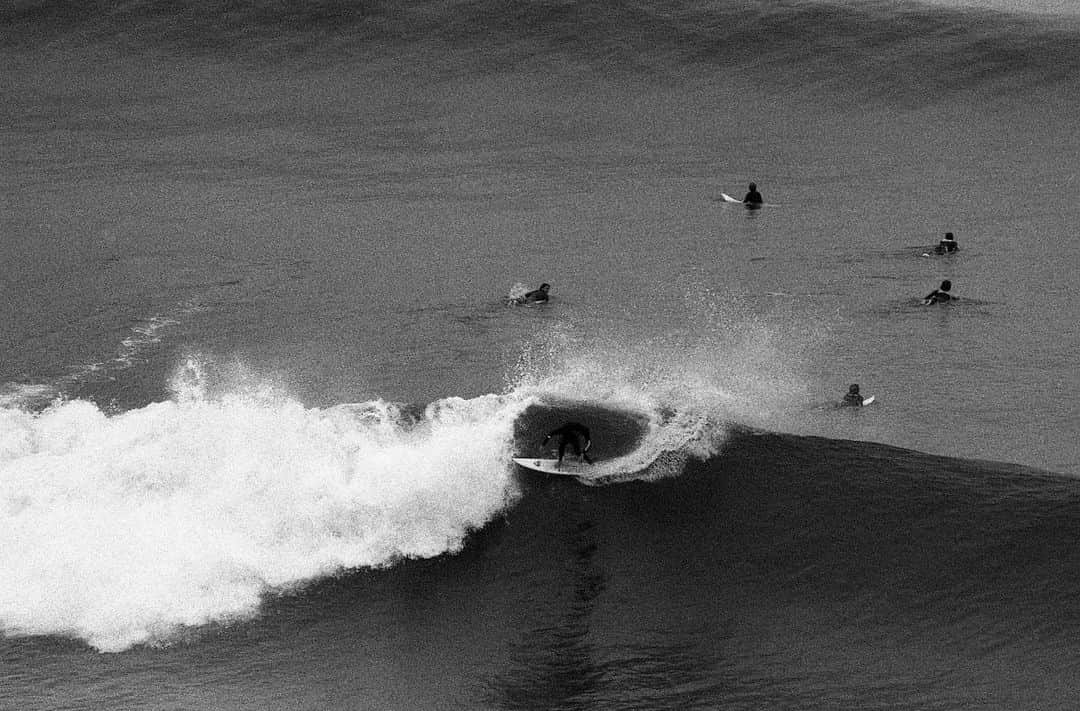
x=260, y=383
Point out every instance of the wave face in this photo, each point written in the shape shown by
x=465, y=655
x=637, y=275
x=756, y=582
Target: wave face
x=805, y=572
x=891, y=49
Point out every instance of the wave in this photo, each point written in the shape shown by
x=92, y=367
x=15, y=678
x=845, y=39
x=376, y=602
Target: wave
x=138, y=527
x=135, y=527
x=125, y=528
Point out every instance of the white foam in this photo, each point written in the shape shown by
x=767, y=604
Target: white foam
x=124, y=529
x=27, y=394
x=516, y=292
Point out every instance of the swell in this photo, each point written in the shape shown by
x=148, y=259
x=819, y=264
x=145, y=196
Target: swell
x=890, y=47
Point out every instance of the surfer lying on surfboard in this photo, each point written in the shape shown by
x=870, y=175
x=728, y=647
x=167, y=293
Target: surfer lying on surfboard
x=536, y=296
x=574, y=435
x=939, y=295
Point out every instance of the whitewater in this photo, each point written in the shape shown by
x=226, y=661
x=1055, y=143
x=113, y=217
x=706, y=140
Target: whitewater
x=124, y=529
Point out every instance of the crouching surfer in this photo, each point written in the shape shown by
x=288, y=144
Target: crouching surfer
x=573, y=435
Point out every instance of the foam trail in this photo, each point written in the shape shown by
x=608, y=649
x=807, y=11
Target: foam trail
x=143, y=335
x=124, y=529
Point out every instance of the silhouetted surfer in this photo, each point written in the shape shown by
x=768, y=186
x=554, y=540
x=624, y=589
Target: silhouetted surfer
x=853, y=397
x=947, y=245
x=753, y=198
x=939, y=295
x=574, y=435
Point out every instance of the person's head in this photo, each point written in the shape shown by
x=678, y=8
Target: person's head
x=854, y=389
x=946, y=285
x=949, y=237
x=545, y=287
x=753, y=187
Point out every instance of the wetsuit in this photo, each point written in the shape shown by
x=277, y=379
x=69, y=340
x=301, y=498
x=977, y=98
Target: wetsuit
x=574, y=435
x=753, y=198
x=852, y=399
x=937, y=296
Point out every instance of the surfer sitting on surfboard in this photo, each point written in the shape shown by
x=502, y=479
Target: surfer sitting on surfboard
x=947, y=244
x=853, y=397
x=753, y=197
x=574, y=435
x=939, y=295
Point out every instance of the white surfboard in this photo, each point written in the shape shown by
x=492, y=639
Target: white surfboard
x=753, y=205
x=843, y=404
x=570, y=467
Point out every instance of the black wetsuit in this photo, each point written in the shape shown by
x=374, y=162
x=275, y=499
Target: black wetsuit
x=537, y=296
x=574, y=435
x=753, y=198
x=852, y=399
x=937, y=296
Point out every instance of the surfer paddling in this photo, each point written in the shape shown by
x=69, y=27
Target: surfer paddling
x=536, y=296
x=940, y=295
x=573, y=435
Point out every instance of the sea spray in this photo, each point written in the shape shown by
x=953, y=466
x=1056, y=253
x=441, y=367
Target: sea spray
x=729, y=362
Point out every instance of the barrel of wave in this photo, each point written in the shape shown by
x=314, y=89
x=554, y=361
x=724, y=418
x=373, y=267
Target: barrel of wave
x=626, y=444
